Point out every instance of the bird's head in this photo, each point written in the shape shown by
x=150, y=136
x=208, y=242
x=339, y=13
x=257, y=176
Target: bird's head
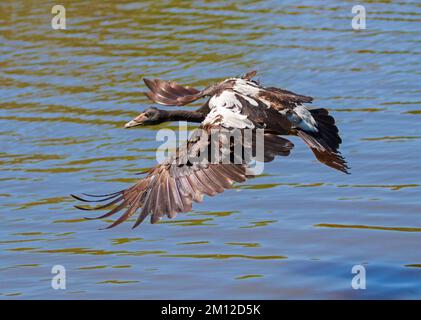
x=149, y=116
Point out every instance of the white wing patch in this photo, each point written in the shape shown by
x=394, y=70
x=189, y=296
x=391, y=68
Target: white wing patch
x=306, y=120
x=228, y=99
x=246, y=88
x=227, y=118
x=226, y=108
x=226, y=111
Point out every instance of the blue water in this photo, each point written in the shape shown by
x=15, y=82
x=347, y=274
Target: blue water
x=294, y=232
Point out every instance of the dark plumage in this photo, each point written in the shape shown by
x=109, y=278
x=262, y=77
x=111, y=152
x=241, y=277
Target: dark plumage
x=153, y=116
x=235, y=105
x=324, y=143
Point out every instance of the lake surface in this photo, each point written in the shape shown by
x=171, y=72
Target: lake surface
x=294, y=232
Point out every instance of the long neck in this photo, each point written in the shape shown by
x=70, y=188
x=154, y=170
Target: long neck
x=183, y=115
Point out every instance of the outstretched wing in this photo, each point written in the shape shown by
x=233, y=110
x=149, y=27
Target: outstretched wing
x=170, y=93
x=276, y=98
x=280, y=98
x=325, y=141
x=172, y=186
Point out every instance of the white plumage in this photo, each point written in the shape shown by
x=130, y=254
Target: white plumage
x=226, y=108
x=300, y=116
x=227, y=118
x=226, y=111
x=246, y=88
x=226, y=99
x=307, y=121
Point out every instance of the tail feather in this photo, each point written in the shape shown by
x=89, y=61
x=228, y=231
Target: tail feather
x=326, y=141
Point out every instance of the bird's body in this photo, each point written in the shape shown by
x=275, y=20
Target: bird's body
x=235, y=104
x=286, y=108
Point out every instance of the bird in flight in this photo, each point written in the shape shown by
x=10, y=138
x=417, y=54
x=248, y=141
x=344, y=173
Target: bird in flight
x=237, y=104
